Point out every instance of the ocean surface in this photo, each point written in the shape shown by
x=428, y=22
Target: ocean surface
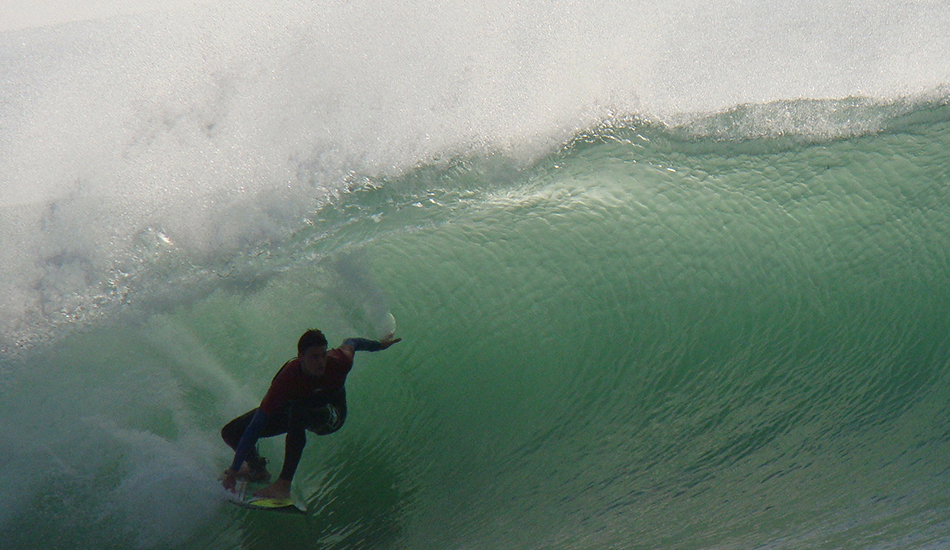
x=667, y=277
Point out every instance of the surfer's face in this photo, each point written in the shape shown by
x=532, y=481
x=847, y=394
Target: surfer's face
x=313, y=360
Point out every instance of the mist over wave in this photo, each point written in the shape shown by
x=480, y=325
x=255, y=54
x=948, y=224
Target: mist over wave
x=192, y=134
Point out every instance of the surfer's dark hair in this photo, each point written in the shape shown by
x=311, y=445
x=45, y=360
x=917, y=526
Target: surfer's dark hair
x=313, y=338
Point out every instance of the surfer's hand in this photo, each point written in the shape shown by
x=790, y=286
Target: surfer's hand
x=229, y=479
x=387, y=341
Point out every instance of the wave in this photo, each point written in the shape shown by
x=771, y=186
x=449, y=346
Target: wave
x=637, y=325
x=696, y=301
x=80, y=265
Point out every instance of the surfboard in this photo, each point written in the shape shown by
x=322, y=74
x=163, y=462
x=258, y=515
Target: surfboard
x=245, y=498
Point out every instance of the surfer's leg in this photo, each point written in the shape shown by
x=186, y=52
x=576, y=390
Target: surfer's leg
x=326, y=420
x=276, y=424
x=321, y=415
x=293, y=449
x=231, y=433
x=299, y=416
x=327, y=415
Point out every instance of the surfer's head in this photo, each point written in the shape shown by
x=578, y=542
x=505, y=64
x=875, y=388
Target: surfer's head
x=312, y=352
x=313, y=338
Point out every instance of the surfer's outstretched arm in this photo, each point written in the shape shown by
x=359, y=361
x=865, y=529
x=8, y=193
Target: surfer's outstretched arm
x=363, y=344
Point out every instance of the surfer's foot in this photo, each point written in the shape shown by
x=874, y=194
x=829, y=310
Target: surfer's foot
x=277, y=489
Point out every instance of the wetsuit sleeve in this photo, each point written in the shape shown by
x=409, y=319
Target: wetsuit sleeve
x=362, y=344
x=248, y=439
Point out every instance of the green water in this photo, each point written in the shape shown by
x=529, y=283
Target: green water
x=642, y=340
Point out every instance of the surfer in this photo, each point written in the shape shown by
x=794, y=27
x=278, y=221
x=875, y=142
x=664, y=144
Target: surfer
x=307, y=393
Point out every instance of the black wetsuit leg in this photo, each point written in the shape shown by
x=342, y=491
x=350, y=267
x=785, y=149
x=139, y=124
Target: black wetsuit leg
x=322, y=414
x=232, y=431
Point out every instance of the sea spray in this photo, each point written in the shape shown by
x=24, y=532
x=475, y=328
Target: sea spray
x=666, y=276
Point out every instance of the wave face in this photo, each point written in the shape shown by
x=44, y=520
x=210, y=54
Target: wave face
x=659, y=286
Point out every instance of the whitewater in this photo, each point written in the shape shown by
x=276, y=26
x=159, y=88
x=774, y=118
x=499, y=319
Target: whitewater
x=667, y=276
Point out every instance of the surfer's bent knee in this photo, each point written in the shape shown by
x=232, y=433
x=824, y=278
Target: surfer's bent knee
x=326, y=420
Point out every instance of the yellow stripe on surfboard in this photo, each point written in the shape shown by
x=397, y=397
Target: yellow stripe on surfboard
x=269, y=502
x=241, y=497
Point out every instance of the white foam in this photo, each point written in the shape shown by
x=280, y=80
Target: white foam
x=164, y=494
x=185, y=135
x=25, y=14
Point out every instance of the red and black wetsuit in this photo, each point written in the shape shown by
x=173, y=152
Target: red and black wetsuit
x=291, y=384
x=294, y=403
